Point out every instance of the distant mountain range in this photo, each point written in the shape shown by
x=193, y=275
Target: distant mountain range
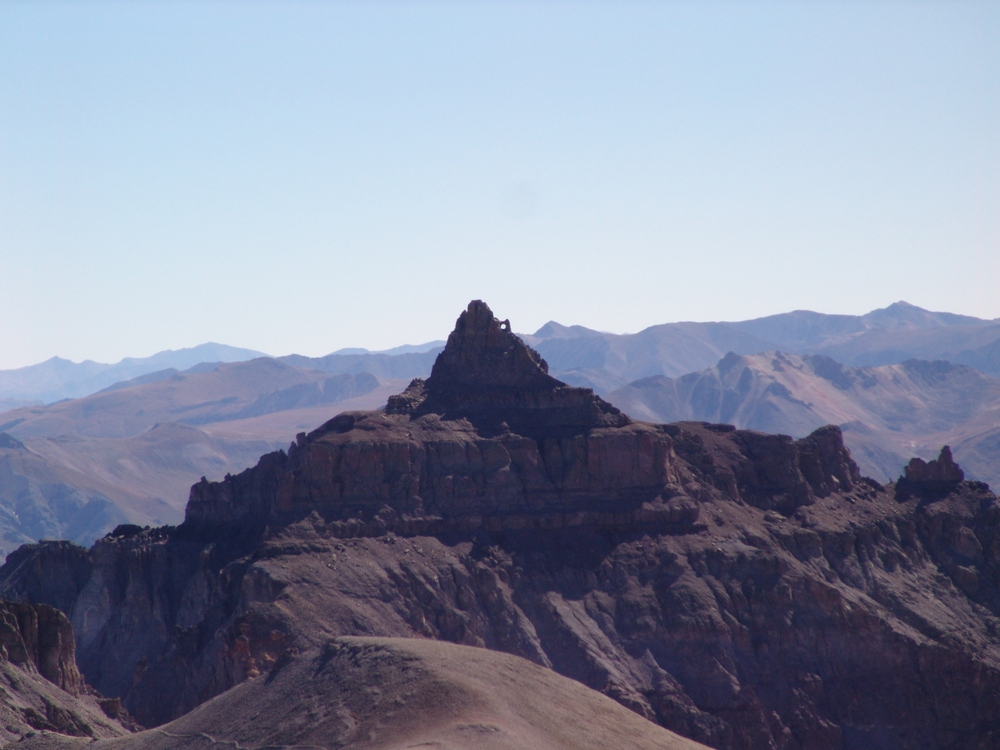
x=84, y=446
x=130, y=453
x=582, y=356
x=750, y=591
x=606, y=361
x=57, y=378
x=888, y=413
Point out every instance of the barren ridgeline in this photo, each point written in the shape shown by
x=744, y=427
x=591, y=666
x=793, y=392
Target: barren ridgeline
x=741, y=589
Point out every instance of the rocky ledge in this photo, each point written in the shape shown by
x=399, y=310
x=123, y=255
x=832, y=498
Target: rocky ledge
x=750, y=591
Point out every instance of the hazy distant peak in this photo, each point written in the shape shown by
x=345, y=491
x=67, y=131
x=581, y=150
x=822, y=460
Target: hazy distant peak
x=554, y=330
x=207, y=352
x=413, y=348
x=904, y=314
x=58, y=378
x=401, y=349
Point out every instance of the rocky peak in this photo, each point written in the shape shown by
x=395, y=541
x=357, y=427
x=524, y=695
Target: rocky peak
x=942, y=469
x=482, y=353
x=930, y=478
x=491, y=377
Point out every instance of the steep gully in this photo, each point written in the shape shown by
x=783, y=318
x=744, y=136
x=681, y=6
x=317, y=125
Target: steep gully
x=746, y=590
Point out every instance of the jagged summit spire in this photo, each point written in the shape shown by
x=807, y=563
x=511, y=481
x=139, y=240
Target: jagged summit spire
x=483, y=353
x=488, y=375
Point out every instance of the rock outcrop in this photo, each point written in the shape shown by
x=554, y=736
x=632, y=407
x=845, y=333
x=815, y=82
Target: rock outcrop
x=749, y=591
x=41, y=687
x=488, y=376
x=37, y=637
x=930, y=478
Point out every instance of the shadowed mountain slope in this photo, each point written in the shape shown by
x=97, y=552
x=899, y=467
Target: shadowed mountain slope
x=888, y=413
x=230, y=391
x=129, y=454
x=748, y=591
x=383, y=694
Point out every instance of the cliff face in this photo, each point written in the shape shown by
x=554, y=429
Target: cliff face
x=749, y=591
x=40, y=638
x=41, y=687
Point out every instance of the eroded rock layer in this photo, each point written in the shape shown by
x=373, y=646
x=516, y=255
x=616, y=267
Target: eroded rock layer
x=748, y=591
x=41, y=688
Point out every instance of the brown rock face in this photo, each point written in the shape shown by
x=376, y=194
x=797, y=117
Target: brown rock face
x=40, y=685
x=942, y=469
x=40, y=637
x=489, y=376
x=930, y=478
x=750, y=591
x=483, y=357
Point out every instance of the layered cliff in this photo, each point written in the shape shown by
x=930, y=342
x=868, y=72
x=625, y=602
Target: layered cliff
x=41, y=688
x=746, y=590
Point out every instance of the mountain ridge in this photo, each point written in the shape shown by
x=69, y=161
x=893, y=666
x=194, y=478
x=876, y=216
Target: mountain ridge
x=586, y=356
x=57, y=378
x=746, y=590
x=888, y=413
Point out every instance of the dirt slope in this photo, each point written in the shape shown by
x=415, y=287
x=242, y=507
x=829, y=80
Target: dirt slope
x=383, y=694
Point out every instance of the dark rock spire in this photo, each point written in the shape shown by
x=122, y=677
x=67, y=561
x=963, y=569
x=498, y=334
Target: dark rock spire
x=930, y=479
x=482, y=354
x=488, y=375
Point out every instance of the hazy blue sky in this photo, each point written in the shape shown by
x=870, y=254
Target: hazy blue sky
x=303, y=177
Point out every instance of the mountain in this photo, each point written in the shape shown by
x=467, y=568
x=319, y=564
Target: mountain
x=231, y=391
x=129, y=454
x=79, y=482
x=745, y=590
x=79, y=488
x=606, y=361
x=374, y=693
x=57, y=379
x=389, y=693
x=427, y=346
x=397, y=366
x=888, y=413
x=887, y=336
x=583, y=356
x=803, y=329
